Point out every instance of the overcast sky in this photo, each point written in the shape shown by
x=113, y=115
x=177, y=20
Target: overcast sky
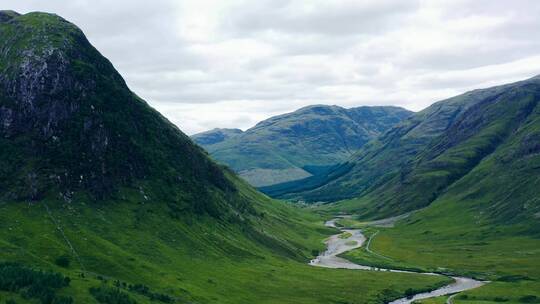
x=207, y=64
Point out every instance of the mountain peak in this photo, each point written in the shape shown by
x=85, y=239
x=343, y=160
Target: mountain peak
x=6, y=15
x=215, y=135
x=319, y=108
x=48, y=68
x=410, y=165
x=297, y=144
x=64, y=106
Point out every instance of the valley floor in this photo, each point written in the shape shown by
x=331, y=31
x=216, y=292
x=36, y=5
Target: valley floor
x=446, y=244
x=197, y=260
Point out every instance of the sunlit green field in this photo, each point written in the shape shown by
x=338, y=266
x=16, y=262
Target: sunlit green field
x=194, y=259
x=446, y=238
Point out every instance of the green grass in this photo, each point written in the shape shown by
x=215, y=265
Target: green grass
x=138, y=201
x=448, y=237
x=345, y=235
x=497, y=292
x=415, y=163
x=193, y=259
x=141, y=204
x=295, y=145
x=436, y=300
x=369, y=257
x=351, y=223
x=483, y=224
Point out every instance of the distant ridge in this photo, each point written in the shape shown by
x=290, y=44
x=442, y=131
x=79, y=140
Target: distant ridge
x=298, y=144
x=485, y=143
x=215, y=136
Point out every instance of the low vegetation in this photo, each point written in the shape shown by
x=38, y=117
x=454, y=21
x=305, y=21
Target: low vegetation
x=296, y=145
x=345, y=235
x=105, y=201
x=445, y=238
x=109, y=295
x=201, y=262
x=33, y=284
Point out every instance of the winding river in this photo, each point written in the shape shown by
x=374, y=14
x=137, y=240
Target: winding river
x=337, y=245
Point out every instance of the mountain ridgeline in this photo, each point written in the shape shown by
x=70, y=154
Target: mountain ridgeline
x=65, y=108
x=298, y=144
x=483, y=145
x=102, y=200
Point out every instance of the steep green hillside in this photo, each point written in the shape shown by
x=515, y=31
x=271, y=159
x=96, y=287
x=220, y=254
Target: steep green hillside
x=102, y=200
x=486, y=224
x=486, y=137
x=193, y=259
x=69, y=123
x=299, y=144
x=480, y=180
x=474, y=235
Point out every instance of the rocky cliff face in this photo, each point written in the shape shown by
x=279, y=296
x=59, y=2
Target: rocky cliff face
x=69, y=123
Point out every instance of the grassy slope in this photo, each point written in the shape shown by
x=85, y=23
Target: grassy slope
x=316, y=135
x=174, y=221
x=379, y=160
x=416, y=162
x=461, y=236
x=98, y=134
x=447, y=238
x=193, y=258
x=486, y=224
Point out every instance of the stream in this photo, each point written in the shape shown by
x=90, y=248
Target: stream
x=336, y=246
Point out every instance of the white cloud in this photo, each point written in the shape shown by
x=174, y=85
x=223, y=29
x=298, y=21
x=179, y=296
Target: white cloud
x=214, y=63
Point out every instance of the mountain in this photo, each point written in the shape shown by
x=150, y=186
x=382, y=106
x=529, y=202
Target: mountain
x=298, y=144
x=470, y=166
x=102, y=200
x=482, y=145
x=215, y=136
x=69, y=125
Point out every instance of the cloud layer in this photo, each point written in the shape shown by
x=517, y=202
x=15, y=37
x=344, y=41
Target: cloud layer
x=214, y=63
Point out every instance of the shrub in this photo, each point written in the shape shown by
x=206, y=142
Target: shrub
x=109, y=295
x=500, y=299
x=145, y=291
x=409, y=293
x=513, y=278
x=33, y=284
x=529, y=299
x=62, y=261
x=387, y=295
x=63, y=300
